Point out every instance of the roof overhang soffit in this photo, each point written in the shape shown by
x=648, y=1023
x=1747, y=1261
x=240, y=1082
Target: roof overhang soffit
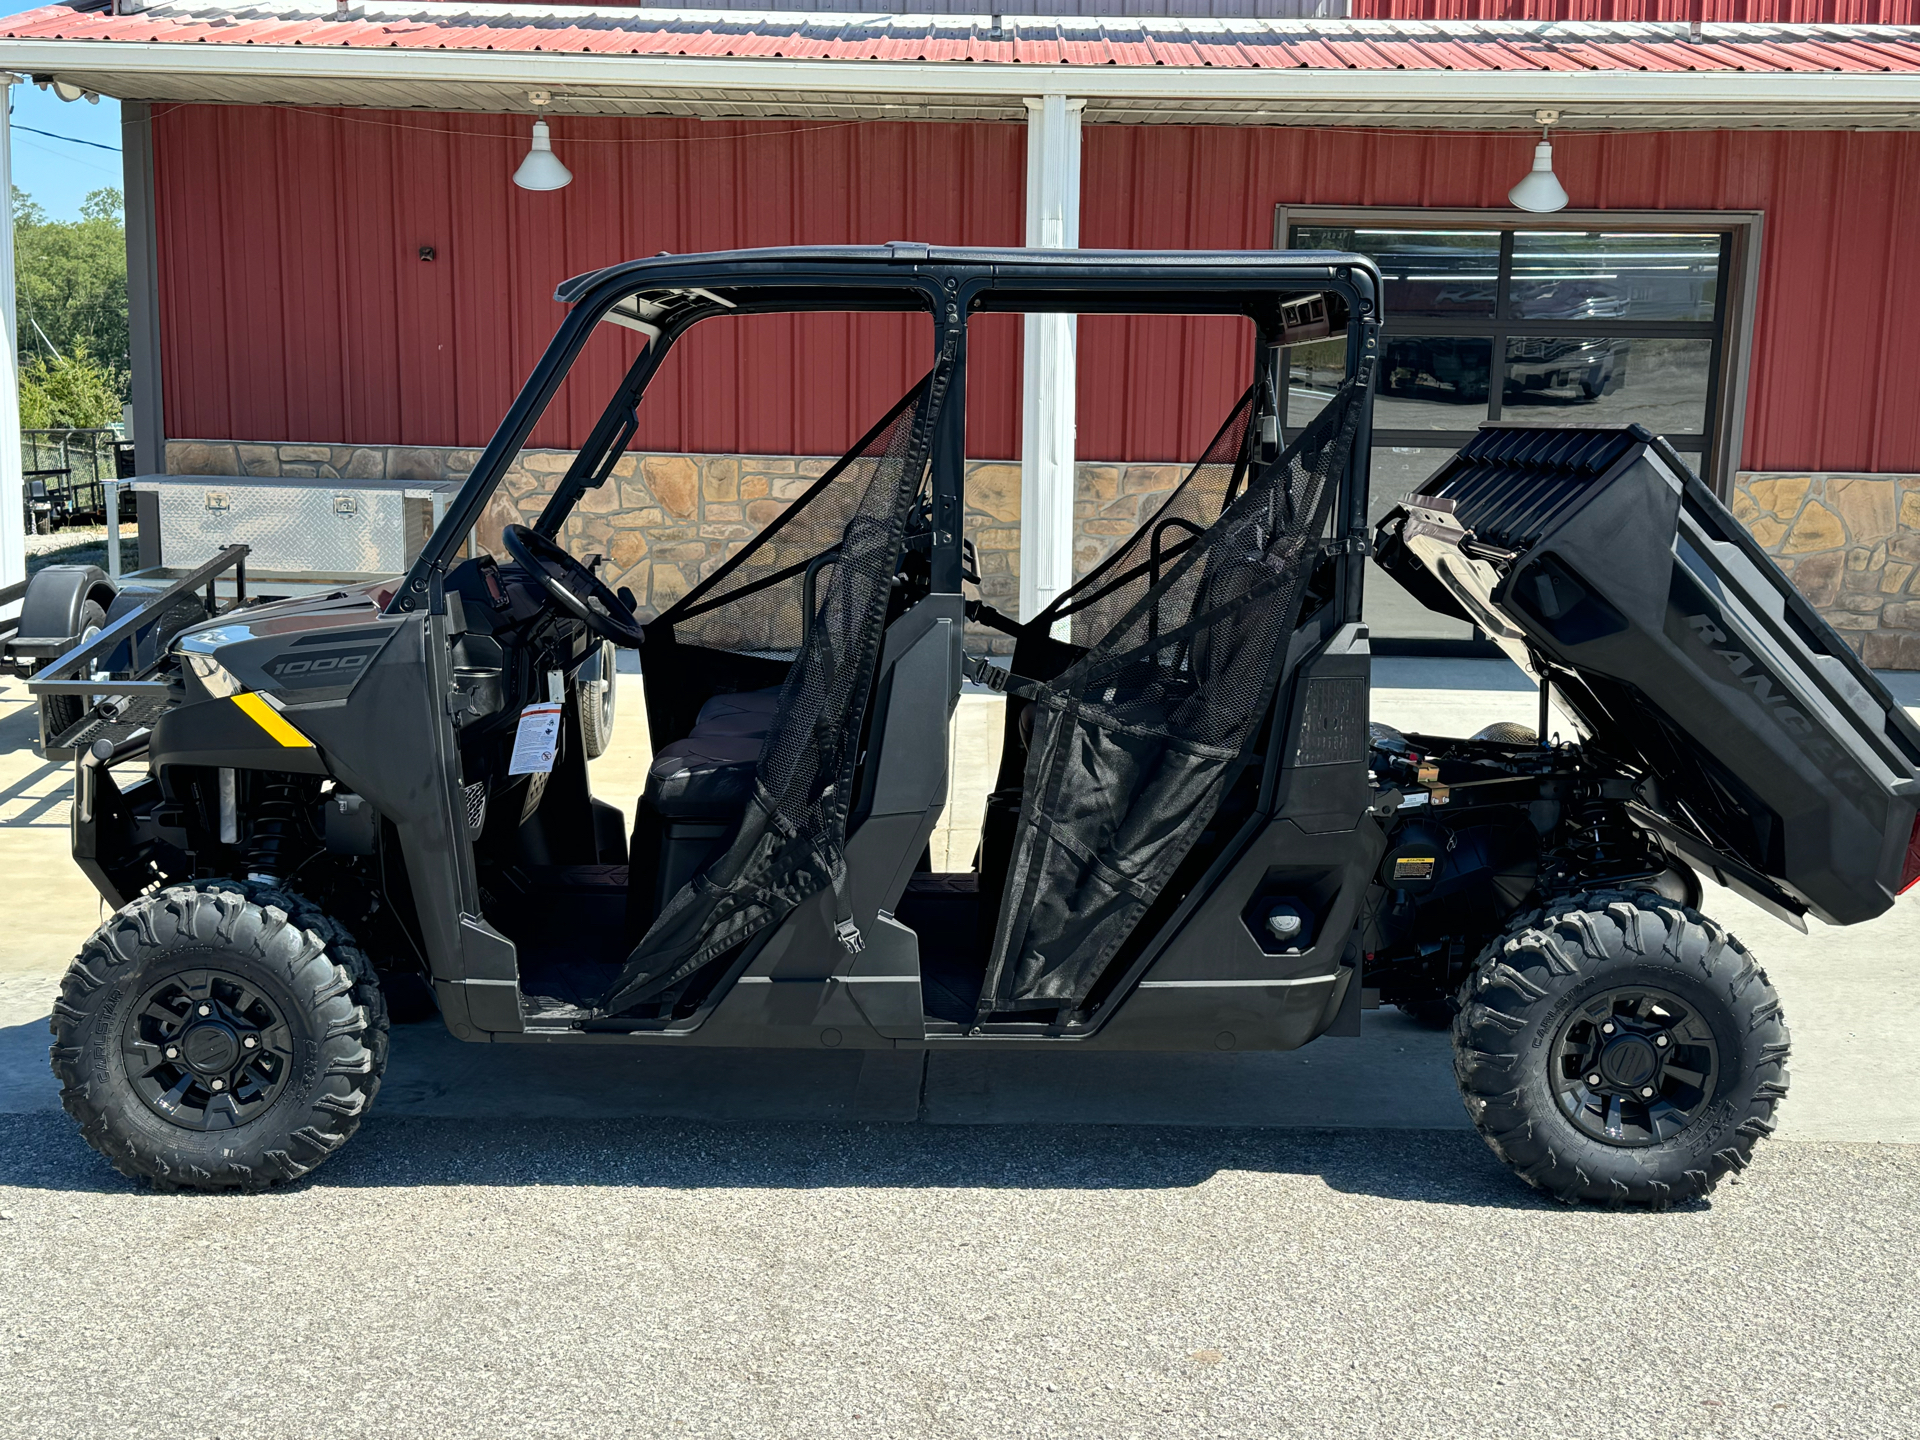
x=651, y=85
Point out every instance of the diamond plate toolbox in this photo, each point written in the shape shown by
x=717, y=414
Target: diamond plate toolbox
x=296, y=525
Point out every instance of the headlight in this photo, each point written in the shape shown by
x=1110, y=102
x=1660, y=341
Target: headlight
x=214, y=677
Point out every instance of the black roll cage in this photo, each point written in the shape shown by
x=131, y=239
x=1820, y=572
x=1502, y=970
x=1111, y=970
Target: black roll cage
x=1286, y=294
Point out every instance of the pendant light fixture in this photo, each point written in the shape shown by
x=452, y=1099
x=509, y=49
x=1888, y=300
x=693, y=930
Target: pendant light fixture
x=541, y=170
x=1540, y=190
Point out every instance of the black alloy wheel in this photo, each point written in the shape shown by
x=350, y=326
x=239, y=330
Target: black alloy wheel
x=220, y=1036
x=1635, y=1067
x=1618, y=1048
x=206, y=1050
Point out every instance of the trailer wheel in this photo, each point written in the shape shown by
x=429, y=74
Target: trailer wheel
x=64, y=711
x=1619, y=1048
x=219, y=1037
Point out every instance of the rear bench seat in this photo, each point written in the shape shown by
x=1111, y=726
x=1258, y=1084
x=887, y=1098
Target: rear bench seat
x=697, y=788
x=748, y=713
x=708, y=775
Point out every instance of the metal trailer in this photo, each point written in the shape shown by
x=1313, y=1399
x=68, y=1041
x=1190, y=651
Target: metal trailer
x=297, y=536
x=1197, y=839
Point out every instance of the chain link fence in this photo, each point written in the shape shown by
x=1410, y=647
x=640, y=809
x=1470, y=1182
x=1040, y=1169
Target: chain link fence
x=64, y=474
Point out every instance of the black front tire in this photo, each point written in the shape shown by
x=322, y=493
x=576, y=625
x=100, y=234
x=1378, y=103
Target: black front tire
x=308, y=986
x=1518, y=1014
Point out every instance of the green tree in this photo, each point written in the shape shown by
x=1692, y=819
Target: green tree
x=70, y=279
x=75, y=392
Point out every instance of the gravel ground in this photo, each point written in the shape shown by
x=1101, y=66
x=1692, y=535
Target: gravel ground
x=81, y=545
x=457, y=1278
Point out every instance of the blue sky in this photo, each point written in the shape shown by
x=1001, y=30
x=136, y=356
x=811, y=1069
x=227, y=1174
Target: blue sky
x=58, y=173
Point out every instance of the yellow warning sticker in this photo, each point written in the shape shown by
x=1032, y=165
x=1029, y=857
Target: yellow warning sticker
x=1413, y=868
x=270, y=720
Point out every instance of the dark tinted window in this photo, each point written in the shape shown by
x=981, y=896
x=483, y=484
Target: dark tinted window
x=1582, y=275
x=1523, y=327
x=1427, y=272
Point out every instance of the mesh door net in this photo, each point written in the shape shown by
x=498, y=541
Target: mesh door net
x=1135, y=743
x=839, y=546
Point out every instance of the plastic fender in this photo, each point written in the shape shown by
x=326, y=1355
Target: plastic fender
x=50, y=612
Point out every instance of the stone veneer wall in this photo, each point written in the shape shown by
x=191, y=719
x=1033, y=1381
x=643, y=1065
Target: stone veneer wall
x=665, y=521
x=1848, y=541
x=1849, y=544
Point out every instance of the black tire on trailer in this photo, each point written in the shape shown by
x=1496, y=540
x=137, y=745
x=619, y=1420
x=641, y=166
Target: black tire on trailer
x=1619, y=1048
x=595, y=686
x=64, y=711
x=206, y=1039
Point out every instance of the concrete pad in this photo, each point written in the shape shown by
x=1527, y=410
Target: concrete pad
x=1852, y=998
x=46, y=906
x=675, y=1278
x=619, y=775
x=973, y=761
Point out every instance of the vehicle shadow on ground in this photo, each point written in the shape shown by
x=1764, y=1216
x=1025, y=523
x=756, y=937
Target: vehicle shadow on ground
x=44, y=1152
x=41, y=811
x=19, y=729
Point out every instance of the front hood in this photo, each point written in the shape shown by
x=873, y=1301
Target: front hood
x=304, y=651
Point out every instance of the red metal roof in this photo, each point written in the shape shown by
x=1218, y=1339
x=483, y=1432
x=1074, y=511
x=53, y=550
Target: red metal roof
x=1735, y=12
x=1374, y=45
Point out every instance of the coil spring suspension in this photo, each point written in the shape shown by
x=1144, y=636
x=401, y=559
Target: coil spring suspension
x=278, y=828
x=1598, y=845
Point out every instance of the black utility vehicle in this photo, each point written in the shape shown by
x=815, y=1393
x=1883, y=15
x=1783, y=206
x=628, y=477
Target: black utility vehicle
x=1196, y=840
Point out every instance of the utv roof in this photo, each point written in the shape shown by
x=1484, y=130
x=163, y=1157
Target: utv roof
x=877, y=277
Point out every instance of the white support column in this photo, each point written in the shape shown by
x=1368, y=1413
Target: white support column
x=1047, y=361
x=13, y=526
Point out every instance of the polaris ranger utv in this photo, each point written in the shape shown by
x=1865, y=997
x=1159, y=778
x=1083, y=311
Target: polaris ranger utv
x=1196, y=839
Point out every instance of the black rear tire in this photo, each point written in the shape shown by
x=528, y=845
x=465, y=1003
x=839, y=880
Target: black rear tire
x=1535, y=1005
x=259, y=957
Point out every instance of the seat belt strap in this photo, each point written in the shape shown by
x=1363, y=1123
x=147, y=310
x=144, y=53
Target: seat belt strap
x=982, y=671
x=845, y=929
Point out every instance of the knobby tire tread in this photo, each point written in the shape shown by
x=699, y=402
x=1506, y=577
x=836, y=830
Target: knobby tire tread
x=1548, y=952
x=282, y=932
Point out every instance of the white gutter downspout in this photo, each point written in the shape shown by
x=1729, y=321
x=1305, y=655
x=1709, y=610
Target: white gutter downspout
x=1047, y=360
x=13, y=525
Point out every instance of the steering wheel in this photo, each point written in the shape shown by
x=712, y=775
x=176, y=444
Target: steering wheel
x=578, y=590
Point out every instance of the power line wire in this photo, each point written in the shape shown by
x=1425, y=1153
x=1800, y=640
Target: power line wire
x=70, y=139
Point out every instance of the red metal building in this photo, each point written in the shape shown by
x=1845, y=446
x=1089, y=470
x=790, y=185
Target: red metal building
x=293, y=294
x=336, y=255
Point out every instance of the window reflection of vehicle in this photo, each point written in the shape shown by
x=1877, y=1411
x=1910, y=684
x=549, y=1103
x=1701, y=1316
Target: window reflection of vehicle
x=1457, y=369
x=1589, y=366
x=1437, y=367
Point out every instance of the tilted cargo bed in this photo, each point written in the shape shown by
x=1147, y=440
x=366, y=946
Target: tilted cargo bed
x=1765, y=752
